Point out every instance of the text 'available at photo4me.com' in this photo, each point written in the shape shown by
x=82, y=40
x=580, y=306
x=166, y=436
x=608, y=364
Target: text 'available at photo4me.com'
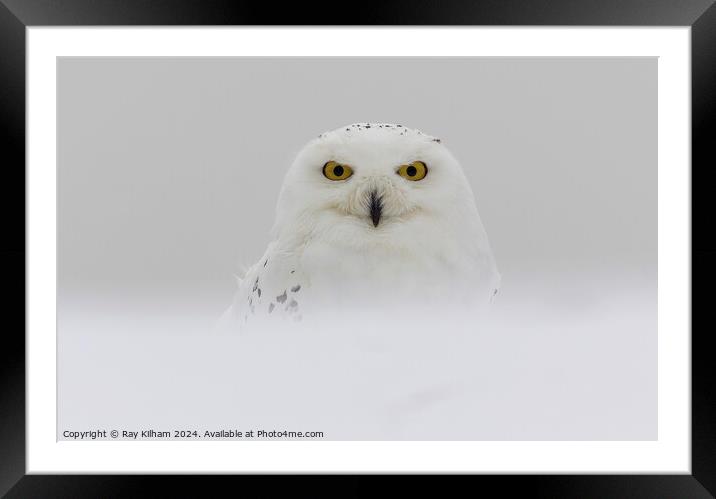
x=189, y=434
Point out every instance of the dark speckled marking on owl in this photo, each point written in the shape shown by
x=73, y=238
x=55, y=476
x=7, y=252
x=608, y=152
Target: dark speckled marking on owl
x=293, y=271
x=271, y=307
x=296, y=288
x=282, y=297
x=436, y=140
x=265, y=262
x=494, y=292
x=259, y=292
x=256, y=284
x=292, y=304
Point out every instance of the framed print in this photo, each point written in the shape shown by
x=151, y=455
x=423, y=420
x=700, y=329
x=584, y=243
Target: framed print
x=427, y=240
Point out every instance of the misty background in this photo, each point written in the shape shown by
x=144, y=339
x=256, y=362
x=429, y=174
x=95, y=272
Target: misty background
x=168, y=173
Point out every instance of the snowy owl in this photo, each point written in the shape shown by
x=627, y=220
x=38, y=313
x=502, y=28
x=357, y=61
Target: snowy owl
x=370, y=216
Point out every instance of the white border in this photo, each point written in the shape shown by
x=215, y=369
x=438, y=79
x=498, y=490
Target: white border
x=671, y=453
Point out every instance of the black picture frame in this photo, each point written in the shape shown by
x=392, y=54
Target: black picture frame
x=16, y=15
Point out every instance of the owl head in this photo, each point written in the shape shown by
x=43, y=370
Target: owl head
x=374, y=183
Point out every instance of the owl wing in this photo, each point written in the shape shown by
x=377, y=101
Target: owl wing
x=271, y=290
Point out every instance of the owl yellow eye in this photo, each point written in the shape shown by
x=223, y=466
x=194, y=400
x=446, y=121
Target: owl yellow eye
x=336, y=171
x=414, y=171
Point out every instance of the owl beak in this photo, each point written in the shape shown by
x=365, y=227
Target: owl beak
x=376, y=208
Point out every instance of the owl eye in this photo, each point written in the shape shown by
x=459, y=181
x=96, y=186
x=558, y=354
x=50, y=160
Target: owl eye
x=336, y=171
x=414, y=171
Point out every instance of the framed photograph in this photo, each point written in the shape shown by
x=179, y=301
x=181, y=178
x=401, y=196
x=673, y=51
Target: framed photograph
x=447, y=238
